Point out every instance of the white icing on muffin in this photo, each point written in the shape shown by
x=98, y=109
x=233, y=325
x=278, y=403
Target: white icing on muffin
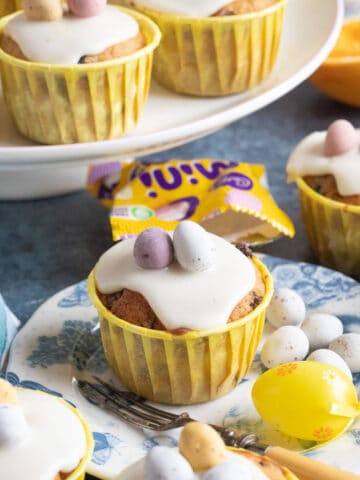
x=65, y=41
x=180, y=298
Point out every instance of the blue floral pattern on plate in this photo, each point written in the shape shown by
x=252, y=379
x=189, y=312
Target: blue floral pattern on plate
x=62, y=341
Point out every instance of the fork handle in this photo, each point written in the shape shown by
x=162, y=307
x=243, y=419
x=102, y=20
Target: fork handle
x=306, y=468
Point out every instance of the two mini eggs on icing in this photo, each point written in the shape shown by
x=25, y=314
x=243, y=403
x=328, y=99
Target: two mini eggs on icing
x=51, y=10
x=191, y=245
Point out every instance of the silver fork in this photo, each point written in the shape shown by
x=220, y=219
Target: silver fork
x=132, y=409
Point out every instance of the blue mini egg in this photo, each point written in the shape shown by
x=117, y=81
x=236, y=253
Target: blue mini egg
x=231, y=470
x=153, y=249
x=194, y=247
x=165, y=463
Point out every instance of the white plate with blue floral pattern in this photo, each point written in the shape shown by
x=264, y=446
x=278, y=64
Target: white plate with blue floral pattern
x=62, y=341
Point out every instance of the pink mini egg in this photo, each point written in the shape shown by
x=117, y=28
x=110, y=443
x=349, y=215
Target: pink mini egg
x=341, y=138
x=87, y=8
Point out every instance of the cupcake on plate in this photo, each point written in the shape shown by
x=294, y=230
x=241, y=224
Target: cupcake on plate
x=326, y=168
x=216, y=47
x=181, y=316
x=41, y=436
x=202, y=454
x=9, y=6
x=76, y=73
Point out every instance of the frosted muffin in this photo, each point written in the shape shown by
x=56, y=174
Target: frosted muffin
x=177, y=345
x=91, y=85
x=202, y=455
x=326, y=168
x=212, y=48
x=41, y=436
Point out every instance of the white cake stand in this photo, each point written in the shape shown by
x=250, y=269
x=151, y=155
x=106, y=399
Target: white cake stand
x=29, y=170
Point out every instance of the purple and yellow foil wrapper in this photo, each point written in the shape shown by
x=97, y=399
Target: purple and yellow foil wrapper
x=195, y=367
x=214, y=56
x=333, y=229
x=229, y=199
x=59, y=104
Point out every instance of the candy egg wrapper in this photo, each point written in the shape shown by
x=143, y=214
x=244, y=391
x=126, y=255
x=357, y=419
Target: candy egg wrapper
x=228, y=199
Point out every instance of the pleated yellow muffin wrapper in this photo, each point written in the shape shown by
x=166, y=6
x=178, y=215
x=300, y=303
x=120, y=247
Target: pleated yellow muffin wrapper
x=56, y=104
x=9, y=6
x=214, y=56
x=285, y=471
x=80, y=470
x=181, y=369
x=333, y=229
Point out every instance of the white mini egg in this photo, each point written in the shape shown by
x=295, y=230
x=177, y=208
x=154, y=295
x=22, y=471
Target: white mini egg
x=321, y=329
x=286, y=308
x=13, y=425
x=165, y=463
x=324, y=355
x=194, y=247
x=286, y=344
x=348, y=347
x=231, y=470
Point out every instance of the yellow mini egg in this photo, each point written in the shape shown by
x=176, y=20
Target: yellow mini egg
x=202, y=446
x=8, y=394
x=307, y=400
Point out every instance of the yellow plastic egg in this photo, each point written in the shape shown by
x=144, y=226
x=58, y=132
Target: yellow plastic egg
x=307, y=400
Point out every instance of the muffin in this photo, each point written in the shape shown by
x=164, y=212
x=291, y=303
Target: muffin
x=214, y=48
x=202, y=455
x=195, y=308
x=326, y=168
x=41, y=436
x=73, y=75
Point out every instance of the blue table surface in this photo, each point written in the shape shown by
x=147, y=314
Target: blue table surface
x=49, y=244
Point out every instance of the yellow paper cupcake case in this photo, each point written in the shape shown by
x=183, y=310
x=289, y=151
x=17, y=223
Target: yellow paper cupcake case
x=9, y=6
x=80, y=471
x=333, y=229
x=181, y=369
x=56, y=104
x=216, y=55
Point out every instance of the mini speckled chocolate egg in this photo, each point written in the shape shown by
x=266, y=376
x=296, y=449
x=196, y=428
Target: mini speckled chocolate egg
x=230, y=470
x=194, y=247
x=307, y=400
x=43, y=10
x=341, y=137
x=8, y=393
x=348, y=347
x=165, y=463
x=324, y=355
x=153, y=249
x=286, y=308
x=87, y=8
x=321, y=329
x=286, y=344
x=202, y=446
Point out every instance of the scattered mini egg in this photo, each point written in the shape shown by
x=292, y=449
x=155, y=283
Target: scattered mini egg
x=286, y=308
x=43, y=10
x=341, y=137
x=324, y=355
x=348, y=347
x=202, y=446
x=307, y=400
x=286, y=344
x=8, y=393
x=165, y=463
x=153, y=249
x=230, y=470
x=87, y=8
x=321, y=329
x=194, y=247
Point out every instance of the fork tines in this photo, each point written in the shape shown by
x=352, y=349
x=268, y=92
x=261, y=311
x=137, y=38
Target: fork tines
x=130, y=407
